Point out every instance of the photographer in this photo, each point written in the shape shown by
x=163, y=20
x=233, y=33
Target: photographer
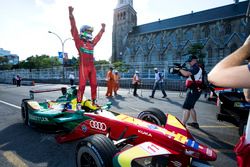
x=193, y=83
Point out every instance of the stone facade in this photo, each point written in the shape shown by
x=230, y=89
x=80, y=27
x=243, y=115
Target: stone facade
x=220, y=31
x=124, y=20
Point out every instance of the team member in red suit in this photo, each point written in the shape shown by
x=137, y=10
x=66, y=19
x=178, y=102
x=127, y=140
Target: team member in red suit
x=85, y=46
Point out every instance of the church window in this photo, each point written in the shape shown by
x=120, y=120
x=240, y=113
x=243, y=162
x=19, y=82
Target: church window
x=124, y=15
x=206, y=32
x=210, y=54
x=228, y=29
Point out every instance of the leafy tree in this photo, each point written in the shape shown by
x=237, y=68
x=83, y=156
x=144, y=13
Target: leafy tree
x=196, y=49
x=5, y=66
x=3, y=60
x=37, y=62
x=4, y=63
x=121, y=66
x=101, y=62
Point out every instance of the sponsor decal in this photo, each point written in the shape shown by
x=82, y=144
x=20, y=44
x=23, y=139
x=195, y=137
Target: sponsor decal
x=98, y=125
x=209, y=152
x=145, y=133
x=84, y=128
x=192, y=153
x=152, y=127
x=176, y=163
x=193, y=144
x=38, y=118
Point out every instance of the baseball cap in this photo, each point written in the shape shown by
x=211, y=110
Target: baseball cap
x=155, y=68
x=190, y=58
x=137, y=72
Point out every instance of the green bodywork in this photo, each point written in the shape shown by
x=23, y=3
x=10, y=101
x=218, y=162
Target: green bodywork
x=55, y=112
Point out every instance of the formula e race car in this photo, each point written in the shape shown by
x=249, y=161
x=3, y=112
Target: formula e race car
x=233, y=108
x=111, y=139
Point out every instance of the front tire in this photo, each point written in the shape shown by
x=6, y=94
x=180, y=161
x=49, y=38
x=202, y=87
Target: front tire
x=95, y=151
x=24, y=111
x=153, y=115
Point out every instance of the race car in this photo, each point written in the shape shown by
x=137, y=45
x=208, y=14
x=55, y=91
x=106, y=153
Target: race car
x=109, y=138
x=233, y=108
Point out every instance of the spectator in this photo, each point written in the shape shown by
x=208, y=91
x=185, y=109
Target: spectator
x=85, y=44
x=14, y=80
x=116, y=81
x=193, y=82
x=110, y=82
x=230, y=72
x=71, y=78
x=18, y=81
x=158, y=84
x=136, y=82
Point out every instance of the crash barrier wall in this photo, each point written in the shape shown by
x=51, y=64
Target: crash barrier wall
x=60, y=75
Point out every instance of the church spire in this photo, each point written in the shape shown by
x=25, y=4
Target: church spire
x=124, y=3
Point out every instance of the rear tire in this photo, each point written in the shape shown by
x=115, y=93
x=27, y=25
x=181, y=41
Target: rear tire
x=24, y=111
x=153, y=115
x=95, y=151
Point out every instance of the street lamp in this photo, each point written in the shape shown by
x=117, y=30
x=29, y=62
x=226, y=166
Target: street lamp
x=62, y=43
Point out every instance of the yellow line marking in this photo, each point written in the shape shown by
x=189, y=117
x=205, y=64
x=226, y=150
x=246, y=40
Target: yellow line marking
x=206, y=135
x=14, y=159
x=18, y=107
x=223, y=150
x=218, y=126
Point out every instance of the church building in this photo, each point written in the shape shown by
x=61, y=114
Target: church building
x=220, y=31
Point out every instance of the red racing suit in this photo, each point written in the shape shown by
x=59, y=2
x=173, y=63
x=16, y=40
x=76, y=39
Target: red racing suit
x=87, y=69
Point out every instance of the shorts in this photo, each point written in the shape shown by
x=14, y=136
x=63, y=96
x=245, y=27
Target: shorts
x=191, y=99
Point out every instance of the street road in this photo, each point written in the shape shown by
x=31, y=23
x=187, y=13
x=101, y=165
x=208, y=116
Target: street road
x=21, y=146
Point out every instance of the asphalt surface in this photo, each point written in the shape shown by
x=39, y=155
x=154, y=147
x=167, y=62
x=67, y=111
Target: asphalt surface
x=21, y=146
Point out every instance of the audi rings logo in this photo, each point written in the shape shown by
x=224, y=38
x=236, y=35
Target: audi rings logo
x=98, y=125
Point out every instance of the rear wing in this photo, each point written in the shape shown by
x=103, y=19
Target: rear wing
x=32, y=92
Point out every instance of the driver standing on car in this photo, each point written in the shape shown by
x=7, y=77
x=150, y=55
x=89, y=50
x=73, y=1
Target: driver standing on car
x=85, y=46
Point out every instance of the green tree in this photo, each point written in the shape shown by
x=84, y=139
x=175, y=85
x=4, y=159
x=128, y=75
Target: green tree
x=38, y=62
x=196, y=49
x=4, y=63
x=3, y=60
x=101, y=62
x=121, y=66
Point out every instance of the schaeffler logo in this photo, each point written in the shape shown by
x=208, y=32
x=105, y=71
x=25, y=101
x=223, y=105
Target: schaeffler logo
x=98, y=125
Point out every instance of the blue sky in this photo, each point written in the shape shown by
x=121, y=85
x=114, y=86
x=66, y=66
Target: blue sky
x=25, y=24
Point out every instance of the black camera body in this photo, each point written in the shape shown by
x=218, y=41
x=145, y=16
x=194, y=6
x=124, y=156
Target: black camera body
x=174, y=69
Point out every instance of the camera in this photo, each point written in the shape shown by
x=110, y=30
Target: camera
x=174, y=69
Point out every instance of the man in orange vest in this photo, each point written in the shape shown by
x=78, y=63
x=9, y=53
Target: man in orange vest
x=110, y=82
x=136, y=82
x=116, y=83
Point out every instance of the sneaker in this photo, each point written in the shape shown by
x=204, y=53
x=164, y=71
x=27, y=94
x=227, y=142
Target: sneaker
x=78, y=106
x=151, y=96
x=164, y=96
x=94, y=103
x=194, y=125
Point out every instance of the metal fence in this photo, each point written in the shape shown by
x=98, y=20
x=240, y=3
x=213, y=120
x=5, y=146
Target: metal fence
x=60, y=74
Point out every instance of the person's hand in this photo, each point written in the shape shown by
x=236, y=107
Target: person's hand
x=71, y=9
x=103, y=26
x=177, y=68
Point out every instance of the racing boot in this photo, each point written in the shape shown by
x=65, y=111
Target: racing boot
x=78, y=106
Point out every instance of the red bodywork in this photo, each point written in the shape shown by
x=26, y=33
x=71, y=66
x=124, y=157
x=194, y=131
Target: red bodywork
x=174, y=136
